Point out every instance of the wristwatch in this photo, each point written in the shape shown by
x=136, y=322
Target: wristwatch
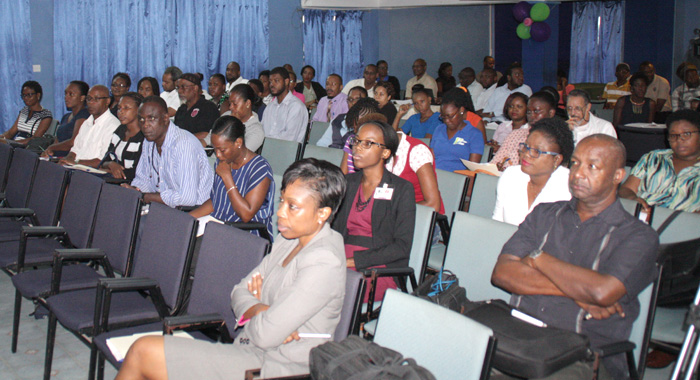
x=535, y=254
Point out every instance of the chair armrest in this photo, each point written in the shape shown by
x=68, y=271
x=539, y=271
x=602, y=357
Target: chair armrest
x=127, y=284
x=389, y=272
x=62, y=257
x=33, y=231
x=107, y=286
x=186, y=208
x=15, y=212
x=77, y=255
x=252, y=226
x=192, y=322
x=614, y=348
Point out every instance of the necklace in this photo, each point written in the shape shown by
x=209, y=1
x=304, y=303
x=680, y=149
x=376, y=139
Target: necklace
x=637, y=108
x=361, y=205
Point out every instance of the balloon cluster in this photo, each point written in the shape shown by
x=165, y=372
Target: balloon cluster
x=531, y=19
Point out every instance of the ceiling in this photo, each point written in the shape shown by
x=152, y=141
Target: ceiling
x=388, y=4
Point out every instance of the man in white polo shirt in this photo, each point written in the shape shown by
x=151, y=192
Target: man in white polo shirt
x=581, y=121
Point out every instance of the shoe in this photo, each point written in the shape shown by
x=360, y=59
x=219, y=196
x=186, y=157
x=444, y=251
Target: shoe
x=660, y=359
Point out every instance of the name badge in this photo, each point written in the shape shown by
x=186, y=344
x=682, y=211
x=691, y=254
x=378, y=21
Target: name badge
x=384, y=192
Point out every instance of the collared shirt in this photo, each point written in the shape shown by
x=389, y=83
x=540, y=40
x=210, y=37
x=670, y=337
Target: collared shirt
x=254, y=132
x=233, y=84
x=611, y=243
x=475, y=89
x=426, y=80
x=94, y=136
x=336, y=106
x=358, y=83
x=180, y=173
x=484, y=97
x=660, y=185
x=660, y=89
x=172, y=100
x=27, y=126
x=286, y=120
x=682, y=95
x=594, y=125
x=613, y=92
x=498, y=100
x=199, y=118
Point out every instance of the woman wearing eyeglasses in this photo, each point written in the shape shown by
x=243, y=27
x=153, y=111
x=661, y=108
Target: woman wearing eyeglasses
x=378, y=213
x=121, y=83
x=455, y=139
x=670, y=177
x=542, y=175
x=33, y=120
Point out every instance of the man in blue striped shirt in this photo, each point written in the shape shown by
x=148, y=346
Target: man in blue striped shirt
x=173, y=168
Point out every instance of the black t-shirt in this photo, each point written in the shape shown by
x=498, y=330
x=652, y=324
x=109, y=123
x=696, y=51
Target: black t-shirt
x=199, y=118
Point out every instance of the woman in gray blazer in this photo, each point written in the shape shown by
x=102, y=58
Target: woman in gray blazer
x=297, y=289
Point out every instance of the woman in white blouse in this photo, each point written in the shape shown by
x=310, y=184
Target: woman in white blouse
x=542, y=175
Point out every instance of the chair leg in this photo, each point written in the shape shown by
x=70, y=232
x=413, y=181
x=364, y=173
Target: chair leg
x=100, y=366
x=15, y=321
x=93, y=361
x=50, y=341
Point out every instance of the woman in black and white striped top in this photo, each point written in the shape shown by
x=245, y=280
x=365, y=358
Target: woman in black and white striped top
x=33, y=119
x=124, y=150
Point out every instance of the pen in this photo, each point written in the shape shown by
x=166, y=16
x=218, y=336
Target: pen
x=526, y=318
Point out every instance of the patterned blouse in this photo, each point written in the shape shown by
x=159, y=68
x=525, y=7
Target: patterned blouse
x=660, y=185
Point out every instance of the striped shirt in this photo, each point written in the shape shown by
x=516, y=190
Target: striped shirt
x=181, y=173
x=660, y=185
x=125, y=153
x=246, y=179
x=612, y=91
x=682, y=95
x=26, y=125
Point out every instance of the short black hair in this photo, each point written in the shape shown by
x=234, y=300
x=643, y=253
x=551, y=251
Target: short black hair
x=510, y=99
x=157, y=100
x=245, y=92
x=638, y=76
x=124, y=76
x=459, y=98
x=264, y=73
x=364, y=106
x=545, y=97
x=82, y=87
x=135, y=96
x=34, y=86
x=220, y=77
x=466, y=72
x=552, y=91
x=391, y=138
x=339, y=78
x=558, y=131
x=154, y=84
x=361, y=89
x=382, y=61
x=308, y=67
x=281, y=71
x=229, y=127
x=692, y=117
x=325, y=181
x=513, y=66
x=425, y=91
x=174, y=71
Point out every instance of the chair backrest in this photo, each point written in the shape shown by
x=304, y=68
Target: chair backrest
x=48, y=190
x=453, y=189
x=80, y=207
x=475, y=244
x=280, y=153
x=5, y=160
x=278, y=189
x=52, y=127
x=332, y=155
x=483, y=198
x=226, y=256
x=490, y=132
x=425, y=140
x=485, y=156
x=318, y=128
x=448, y=344
x=20, y=177
x=165, y=251
x=686, y=226
x=352, y=305
x=641, y=328
x=116, y=225
x=422, y=240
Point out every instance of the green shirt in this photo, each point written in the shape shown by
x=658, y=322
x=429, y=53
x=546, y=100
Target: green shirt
x=660, y=185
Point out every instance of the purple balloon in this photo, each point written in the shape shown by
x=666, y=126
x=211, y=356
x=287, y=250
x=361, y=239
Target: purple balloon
x=521, y=11
x=540, y=31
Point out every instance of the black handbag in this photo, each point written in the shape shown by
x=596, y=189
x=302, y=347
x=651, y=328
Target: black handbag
x=444, y=290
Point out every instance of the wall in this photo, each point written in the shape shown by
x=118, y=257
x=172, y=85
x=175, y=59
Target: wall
x=649, y=34
x=42, y=51
x=686, y=20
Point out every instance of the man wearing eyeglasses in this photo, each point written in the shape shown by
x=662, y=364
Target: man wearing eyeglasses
x=196, y=115
x=581, y=121
x=93, y=139
x=579, y=265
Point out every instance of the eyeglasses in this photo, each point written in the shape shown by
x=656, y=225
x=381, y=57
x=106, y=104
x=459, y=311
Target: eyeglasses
x=447, y=117
x=516, y=106
x=681, y=136
x=184, y=86
x=351, y=100
x=90, y=99
x=150, y=119
x=25, y=96
x=364, y=144
x=119, y=85
x=533, y=152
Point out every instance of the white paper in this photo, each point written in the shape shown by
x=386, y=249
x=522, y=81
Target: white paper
x=86, y=169
x=203, y=220
x=119, y=346
x=489, y=168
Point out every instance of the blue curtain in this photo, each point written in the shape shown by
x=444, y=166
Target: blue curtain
x=94, y=39
x=596, y=40
x=16, y=68
x=333, y=43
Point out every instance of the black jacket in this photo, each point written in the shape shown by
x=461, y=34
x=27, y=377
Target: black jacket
x=318, y=89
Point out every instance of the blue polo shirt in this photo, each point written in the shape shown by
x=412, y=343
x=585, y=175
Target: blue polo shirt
x=448, y=152
x=418, y=129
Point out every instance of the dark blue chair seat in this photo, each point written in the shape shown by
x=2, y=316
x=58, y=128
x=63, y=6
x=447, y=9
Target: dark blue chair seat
x=37, y=283
x=76, y=309
x=38, y=251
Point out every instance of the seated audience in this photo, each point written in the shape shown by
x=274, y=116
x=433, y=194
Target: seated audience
x=121, y=84
x=74, y=98
x=298, y=287
x=563, y=88
x=170, y=94
x=285, y=117
x=515, y=110
x=488, y=81
x=489, y=64
x=292, y=86
x=196, y=114
x=383, y=76
x=378, y=213
x=581, y=121
x=558, y=271
x=33, y=119
x=560, y=112
x=124, y=150
x=338, y=133
x=91, y=143
x=670, y=177
x=455, y=139
x=515, y=83
x=233, y=75
x=148, y=86
x=468, y=82
x=634, y=108
x=419, y=68
x=334, y=103
x=658, y=90
x=173, y=168
x=383, y=93
x=217, y=90
x=542, y=175
x=541, y=105
x=313, y=91
x=618, y=88
x=353, y=119
x=264, y=79
x=241, y=106
x=445, y=81
x=243, y=188
x=422, y=124
x=368, y=80
x=682, y=95
x=258, y=105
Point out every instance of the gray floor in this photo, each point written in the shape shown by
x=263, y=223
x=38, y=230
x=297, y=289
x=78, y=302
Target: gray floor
x=71, y=357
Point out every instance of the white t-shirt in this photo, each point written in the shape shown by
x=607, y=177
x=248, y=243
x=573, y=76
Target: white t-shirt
x=594, y=125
